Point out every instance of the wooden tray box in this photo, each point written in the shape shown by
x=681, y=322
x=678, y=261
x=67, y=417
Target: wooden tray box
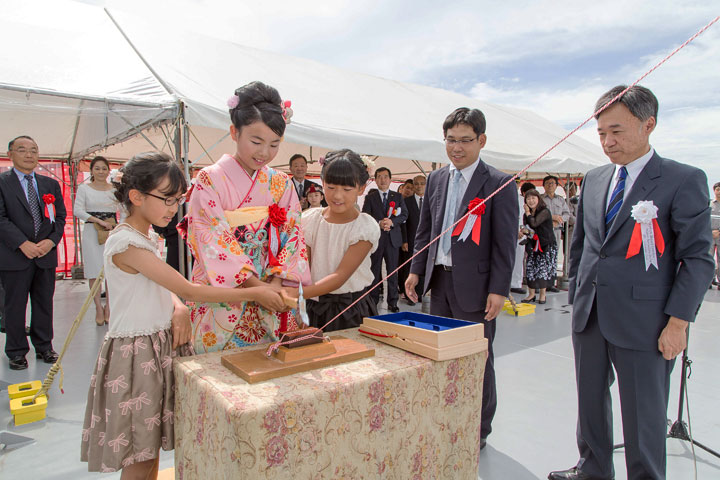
x=437, y=338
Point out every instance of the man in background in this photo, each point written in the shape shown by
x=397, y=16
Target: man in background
x=298, y=169
x=560, y=214
x=32, y=222
x=388, y=208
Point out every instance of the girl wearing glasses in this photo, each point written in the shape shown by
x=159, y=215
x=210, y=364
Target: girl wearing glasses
x=129, y=413
x=243, y=226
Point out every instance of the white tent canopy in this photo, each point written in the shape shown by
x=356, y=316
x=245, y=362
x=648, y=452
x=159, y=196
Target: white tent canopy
x=80, y=79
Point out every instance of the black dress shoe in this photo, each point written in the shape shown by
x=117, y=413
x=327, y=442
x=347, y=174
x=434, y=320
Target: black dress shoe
x=571, y=474
x=518, y=290
x=394, y=309
x=18, y=363
x=553, y=289
x=48, y=356
x=483, y=443
x=410, y=302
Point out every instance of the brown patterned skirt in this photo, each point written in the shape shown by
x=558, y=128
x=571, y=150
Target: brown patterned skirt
x=130, y=408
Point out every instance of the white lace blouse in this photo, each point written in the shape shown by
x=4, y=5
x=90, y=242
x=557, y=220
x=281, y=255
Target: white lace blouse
x=328, y=243
x=138, y=306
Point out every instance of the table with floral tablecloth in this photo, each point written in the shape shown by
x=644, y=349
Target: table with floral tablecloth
x=392, y=416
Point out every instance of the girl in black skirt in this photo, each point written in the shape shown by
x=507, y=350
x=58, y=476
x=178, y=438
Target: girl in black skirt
x=339, y=241
x=541, y=248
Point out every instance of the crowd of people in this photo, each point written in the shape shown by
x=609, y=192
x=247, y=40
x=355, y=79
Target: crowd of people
x=256, y=233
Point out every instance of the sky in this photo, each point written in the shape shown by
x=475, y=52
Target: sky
x=552, y=57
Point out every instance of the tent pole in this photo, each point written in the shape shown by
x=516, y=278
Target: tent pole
x=181, y=158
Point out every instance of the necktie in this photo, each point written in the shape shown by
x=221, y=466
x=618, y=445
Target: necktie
x=450, y=210
x=34, y=203
x=300, y=189
x=385, y=203
x=616, y=199
x=420, y=206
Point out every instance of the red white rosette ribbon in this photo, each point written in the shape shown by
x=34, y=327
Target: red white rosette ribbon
x=391, y=209
x=470, y=225
x=646, y=233
x=277, y=218
x=49, y=200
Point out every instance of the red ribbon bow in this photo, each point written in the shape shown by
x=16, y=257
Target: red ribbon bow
x=277, y=217
x=537, y=247
x=49, y=200
x=636, y=240
x=476, y=207
x=391, y=208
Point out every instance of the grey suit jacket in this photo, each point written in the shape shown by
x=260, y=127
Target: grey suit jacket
x=477, y=269
x=634, y=304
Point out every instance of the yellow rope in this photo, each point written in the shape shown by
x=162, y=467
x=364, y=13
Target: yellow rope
x=47, y=383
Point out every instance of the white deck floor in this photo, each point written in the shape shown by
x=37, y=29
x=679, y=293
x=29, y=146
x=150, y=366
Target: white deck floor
x=534, y=429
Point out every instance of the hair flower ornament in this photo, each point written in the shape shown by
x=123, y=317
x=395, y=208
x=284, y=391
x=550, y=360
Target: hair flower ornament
x=287, y=112
x=369, y=164
x=233, y=101
x=321, y=160
x=646, y=233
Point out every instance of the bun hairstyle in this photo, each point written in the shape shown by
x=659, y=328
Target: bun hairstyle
x=145, y=172
x=344, y=167
x=95, y=160
x=257, y=102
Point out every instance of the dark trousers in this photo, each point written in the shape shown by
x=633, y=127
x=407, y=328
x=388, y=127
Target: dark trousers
x=39, y=283
x=173, y=251
x=2, y=306
x=644, y=384
x=404, y=271
x=387, y=252
x=443, y=303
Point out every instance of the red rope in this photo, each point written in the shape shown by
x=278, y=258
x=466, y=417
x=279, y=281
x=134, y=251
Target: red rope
x=376, y=334
x=512, y=179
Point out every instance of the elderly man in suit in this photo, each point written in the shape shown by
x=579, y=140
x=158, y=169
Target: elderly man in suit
x=388, y=208
x=29, y=233
x=631, y=303
x=468, y=281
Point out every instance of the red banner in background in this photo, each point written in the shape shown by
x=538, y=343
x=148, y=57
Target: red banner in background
x=57, y=170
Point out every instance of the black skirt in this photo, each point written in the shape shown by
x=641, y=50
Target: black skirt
x=328, y=306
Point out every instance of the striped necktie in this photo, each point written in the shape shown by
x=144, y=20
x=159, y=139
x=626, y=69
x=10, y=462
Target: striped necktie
x=616, y=199
x=34, y=202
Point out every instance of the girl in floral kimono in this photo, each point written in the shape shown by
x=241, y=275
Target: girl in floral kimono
x=243, y=226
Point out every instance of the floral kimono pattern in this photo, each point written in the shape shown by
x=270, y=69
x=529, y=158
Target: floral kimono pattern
x=227, y=255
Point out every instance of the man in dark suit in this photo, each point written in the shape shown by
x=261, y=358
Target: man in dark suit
x=631, y=306
x=298, y=169
x=413, y=203
x=388, y=208
x=28, y=254
x=468, y=281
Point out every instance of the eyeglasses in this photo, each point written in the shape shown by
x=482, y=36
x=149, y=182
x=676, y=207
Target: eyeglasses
x=23, y=150
x=169, y=201
x=463, y=141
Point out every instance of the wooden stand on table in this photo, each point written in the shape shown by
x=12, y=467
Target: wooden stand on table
x=255, y=366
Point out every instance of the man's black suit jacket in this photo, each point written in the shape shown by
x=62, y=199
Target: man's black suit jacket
x=411, y=224
x=16, y=222
x=374, y=207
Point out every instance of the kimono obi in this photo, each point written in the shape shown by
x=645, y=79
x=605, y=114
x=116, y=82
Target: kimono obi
x=246, y=215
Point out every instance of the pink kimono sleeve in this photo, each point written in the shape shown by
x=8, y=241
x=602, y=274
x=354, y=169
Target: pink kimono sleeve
x=293, y=253
x=216, y=250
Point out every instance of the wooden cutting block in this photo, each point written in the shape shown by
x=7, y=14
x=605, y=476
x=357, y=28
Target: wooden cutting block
x=255, y=366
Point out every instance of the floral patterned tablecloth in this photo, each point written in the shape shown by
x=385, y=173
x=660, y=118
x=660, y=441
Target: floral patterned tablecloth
x=392, y=416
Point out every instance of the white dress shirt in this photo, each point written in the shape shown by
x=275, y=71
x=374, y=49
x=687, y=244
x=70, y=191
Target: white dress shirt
x=466, y=176
x=633, y=171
